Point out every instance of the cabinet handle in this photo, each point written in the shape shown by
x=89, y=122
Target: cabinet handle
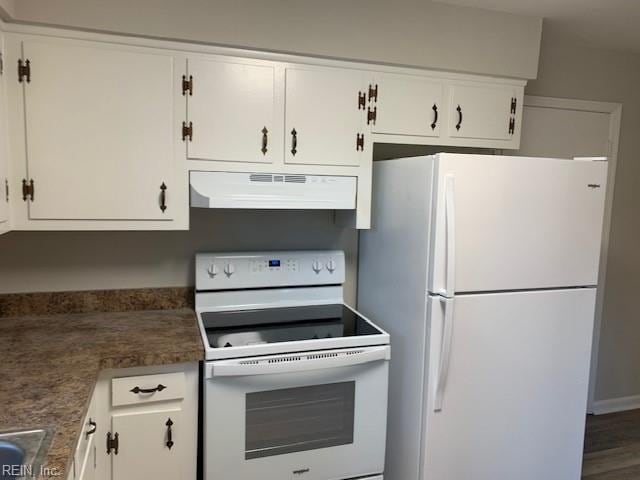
x=459, y=124
x=159, y=388
x=265, y=140
x=435, y=117
x=94, y=427
x=294, y=142
x=163, y=199
x=169, y=439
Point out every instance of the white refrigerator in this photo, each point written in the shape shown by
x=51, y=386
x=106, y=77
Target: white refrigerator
x=483, y=269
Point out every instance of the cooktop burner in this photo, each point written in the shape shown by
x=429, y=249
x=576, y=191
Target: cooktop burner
x=273, y=325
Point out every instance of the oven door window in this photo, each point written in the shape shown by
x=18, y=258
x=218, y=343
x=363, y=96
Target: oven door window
x=298, y=419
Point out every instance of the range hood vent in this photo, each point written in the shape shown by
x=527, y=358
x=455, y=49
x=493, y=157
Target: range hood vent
x=272, y=191
x=271, y=178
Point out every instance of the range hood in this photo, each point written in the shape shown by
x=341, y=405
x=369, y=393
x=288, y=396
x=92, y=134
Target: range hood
x=272, y=191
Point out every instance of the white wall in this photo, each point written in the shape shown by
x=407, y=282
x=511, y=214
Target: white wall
x=406, y=32
x=7, y=9
x=59, y=261
x=571, y=71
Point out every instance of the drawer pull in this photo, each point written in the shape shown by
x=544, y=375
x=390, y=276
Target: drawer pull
x=459, y=124
x=159, y=388
x=169, y=439
x=94, y=427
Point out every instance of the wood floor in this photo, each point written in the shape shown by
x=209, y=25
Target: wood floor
x=612, y=447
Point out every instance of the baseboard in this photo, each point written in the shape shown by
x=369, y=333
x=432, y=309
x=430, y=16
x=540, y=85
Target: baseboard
x=612, y=405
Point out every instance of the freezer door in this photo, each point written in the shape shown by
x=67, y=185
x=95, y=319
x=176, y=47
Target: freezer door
x=506, y=395
x=508, y=223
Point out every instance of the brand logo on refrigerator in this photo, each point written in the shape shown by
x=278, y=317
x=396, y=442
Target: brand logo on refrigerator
x=301, y=471
x=593, y=185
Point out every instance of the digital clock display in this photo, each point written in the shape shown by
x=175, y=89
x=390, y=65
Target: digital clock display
x=274, y=263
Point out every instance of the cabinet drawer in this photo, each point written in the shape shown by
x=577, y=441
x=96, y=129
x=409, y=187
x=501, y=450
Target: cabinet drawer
x=147, y=389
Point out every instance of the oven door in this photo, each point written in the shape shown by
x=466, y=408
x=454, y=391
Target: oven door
x=315, y=416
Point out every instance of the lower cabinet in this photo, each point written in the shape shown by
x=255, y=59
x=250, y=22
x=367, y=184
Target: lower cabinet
x=141, y=423
x=85, y=460
x=150, y=445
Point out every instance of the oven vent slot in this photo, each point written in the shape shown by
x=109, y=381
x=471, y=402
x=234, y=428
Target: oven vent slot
x=249, y=362
x=318, y=356
x=284, y=359
x=354, y=352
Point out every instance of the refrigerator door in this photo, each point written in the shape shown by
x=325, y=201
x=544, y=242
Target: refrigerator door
x=510, y=223
x=507, y=394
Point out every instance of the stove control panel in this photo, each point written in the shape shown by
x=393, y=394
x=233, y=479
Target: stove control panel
x=225, y=271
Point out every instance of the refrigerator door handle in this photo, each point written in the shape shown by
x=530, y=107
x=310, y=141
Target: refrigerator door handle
x=450, y=221
x=445, y=352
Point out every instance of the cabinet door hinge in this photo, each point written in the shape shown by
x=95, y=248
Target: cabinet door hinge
x=359, y=142
x=512, y=126
x=362, y=100
x=112, y=443
x=187, y=85
x=514, y=104
x=24, y=71
x=187, y=131
x=373, y=93
x=28, y=190
x=372, y=115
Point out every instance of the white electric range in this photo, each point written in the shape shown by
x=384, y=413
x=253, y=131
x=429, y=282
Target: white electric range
x=295, y=381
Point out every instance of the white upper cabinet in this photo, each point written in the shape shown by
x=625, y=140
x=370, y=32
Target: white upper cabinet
x=231, y=109
x=100, y=132
x=406, y=105
x=325, y=116
x=484, y=111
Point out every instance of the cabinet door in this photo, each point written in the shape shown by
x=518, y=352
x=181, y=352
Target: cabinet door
x=143, y=450
x=85, y=458
x=408, y=105
x=87, y=470
x=323, y=118
x=4, y=173
x=231, y=108
x=4, y=157
x=483, y=111
x=99, y=131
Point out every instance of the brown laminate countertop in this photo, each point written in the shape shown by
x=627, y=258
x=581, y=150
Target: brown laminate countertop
x=50, y=364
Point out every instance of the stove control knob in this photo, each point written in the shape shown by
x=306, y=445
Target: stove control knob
x=331, y=266
x=317, y=266
x=229, y=269
x=213, y=270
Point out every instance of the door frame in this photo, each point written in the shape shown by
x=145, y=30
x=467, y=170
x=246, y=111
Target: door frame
x=614, y=110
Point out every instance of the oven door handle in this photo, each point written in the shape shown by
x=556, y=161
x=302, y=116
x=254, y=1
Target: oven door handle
x=299, y=362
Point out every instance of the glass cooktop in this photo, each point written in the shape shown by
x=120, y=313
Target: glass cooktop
x=272, y=325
